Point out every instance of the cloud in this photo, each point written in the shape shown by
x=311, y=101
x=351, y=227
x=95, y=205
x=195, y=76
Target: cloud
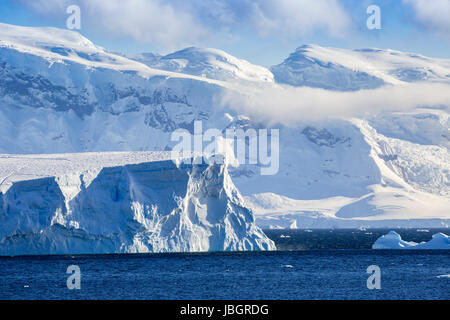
x=298, y=17
x=146, y=21
x=173, y=23
x=291, y=105
x=432, y=14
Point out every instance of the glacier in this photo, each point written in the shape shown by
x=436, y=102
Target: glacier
x=393, y=240
x=84, y=204
x=60, y=93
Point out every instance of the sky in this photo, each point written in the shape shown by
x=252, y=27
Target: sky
x=263, y=32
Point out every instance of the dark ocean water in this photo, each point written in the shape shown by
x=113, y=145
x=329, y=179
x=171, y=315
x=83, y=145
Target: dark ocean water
x=313, y=270
x=342, y=238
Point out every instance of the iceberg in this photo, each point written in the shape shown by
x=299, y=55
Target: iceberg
x=393, y=240
x=80, y=204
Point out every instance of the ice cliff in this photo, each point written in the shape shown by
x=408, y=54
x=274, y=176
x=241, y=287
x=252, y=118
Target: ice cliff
x=153, y=206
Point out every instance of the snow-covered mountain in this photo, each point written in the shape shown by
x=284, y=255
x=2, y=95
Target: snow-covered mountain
x=59, y=93
x=121, y=203
x=342, y=69
x=207, y=63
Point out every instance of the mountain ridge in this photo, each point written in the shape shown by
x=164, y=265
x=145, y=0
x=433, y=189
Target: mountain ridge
x=390, y=167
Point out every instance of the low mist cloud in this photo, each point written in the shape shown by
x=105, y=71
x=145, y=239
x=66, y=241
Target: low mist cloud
x=290, y=105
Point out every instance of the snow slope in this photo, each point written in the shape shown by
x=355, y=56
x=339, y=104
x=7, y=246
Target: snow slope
x=59, y=93
x=120, y=203
x=349, y=175
x=393, y=240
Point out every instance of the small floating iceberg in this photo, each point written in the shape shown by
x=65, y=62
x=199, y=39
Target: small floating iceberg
x=393, y=240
